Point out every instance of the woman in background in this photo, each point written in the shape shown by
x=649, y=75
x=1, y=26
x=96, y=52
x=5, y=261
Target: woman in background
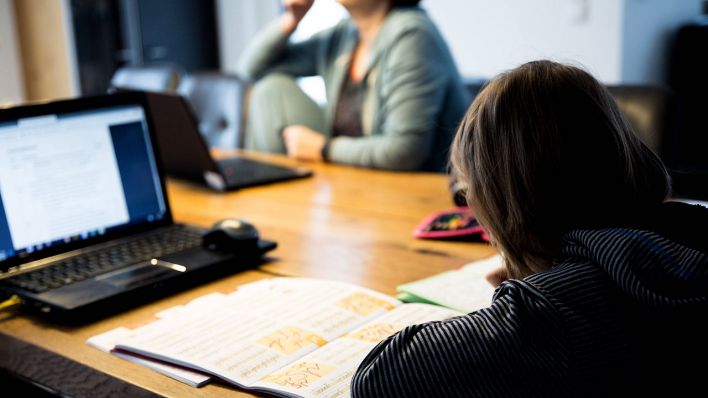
x=605, y=286
x=394, y=96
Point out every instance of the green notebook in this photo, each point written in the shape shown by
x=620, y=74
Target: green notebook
x=464, y=289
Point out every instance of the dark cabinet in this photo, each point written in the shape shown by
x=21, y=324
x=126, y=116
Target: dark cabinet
x=181, y=32
x=110, y=34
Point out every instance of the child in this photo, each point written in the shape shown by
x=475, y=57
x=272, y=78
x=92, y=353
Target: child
x=607, y=289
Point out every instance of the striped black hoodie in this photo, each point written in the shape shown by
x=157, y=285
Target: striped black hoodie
x=623, y=313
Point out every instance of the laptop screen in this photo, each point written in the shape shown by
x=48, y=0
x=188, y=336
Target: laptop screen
x=69, y=177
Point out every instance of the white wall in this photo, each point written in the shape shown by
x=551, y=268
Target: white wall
x=488, y=37
x=238, y=21
x=619, y=41
x=649, y=27
x=71, y=57
x=323, y=14
x=11, y=87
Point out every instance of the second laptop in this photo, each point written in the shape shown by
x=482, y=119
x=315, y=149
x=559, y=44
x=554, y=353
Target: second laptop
x=185, y=154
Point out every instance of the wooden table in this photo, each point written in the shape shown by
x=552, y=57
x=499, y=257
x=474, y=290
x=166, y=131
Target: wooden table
x=344, y=223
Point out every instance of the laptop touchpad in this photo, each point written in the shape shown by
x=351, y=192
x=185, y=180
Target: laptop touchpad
x=138, y=274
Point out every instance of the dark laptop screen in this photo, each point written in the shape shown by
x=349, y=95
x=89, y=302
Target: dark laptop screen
x=75, y=176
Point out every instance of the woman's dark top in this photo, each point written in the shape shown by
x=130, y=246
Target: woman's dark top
x=624, y=312
x=347, y=116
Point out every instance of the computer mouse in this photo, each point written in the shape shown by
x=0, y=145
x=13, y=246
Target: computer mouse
x=231, y=235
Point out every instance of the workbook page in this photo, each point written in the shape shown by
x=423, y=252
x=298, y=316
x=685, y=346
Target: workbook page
x=258, y=329
x=464, y=289
x=327, y=372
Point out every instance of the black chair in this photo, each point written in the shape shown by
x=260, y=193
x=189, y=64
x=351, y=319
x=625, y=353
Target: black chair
x=651, y=112
x=649, y=109
x=655, y=115
x=217, y=100
x=688, y=78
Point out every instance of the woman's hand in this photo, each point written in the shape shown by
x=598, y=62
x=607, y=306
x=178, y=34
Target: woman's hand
x=295, y=10
x=303, y=143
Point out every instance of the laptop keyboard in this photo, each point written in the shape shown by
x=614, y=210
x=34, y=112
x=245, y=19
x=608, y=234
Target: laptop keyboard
x=77, y=268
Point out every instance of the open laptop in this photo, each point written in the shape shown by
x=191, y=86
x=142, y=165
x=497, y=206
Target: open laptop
x=85, y=222
x=186, y=155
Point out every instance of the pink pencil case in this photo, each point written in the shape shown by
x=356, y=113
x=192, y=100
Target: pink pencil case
x=449, y=224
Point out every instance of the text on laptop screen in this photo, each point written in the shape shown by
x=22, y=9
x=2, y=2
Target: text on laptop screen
x=74, y=176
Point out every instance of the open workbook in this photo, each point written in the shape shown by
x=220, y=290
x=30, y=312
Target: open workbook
x=288, y=337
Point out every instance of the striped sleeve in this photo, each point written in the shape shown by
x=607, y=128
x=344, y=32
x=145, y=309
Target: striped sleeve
x=516, y=347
